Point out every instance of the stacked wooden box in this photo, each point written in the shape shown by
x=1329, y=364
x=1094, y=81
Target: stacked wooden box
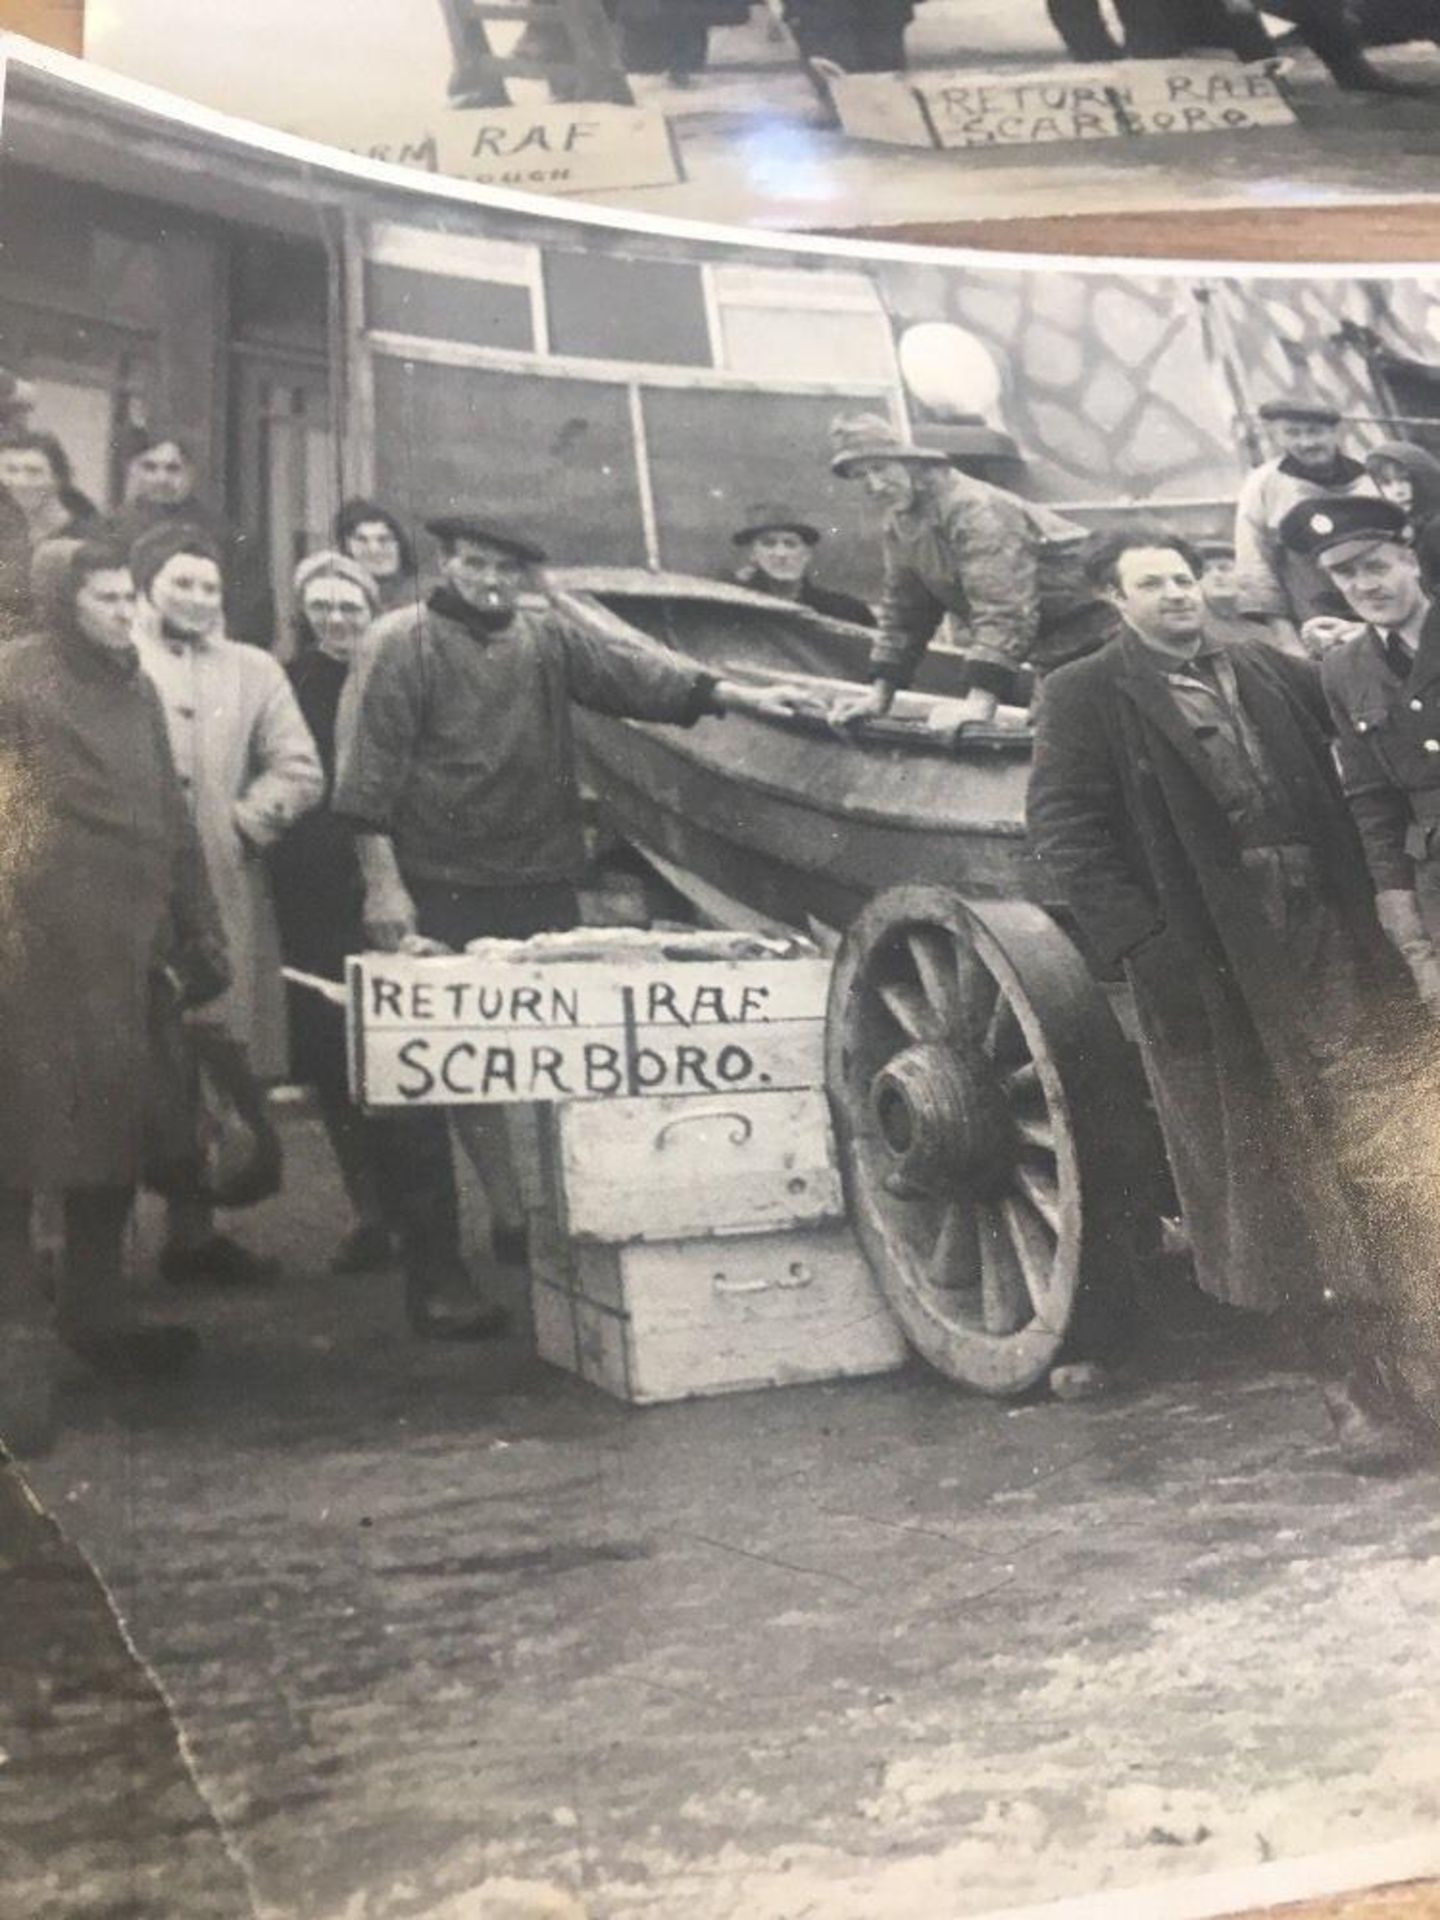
x=697, y=1244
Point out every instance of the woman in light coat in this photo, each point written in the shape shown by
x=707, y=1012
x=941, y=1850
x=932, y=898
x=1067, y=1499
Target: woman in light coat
x=249, y=768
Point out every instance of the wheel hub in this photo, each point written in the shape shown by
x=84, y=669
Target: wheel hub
x=943, y=1121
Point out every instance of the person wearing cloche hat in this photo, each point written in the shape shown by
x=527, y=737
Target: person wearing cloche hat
x=456, y=772
x=1002, y=571
x=1279, y=585
x=779, y=546
x=1383, y=689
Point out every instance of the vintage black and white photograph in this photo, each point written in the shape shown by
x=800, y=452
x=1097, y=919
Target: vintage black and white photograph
x=841, y=114
x=718, y=1008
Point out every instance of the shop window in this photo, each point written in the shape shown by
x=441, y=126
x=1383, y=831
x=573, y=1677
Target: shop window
x=785, y=324
x=452, y=287
x=646, y=311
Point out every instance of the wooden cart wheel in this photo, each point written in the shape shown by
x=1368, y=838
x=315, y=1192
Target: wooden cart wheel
x=994, y=1134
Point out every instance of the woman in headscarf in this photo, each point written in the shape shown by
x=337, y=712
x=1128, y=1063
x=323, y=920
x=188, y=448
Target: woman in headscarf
x=1410, y=477
x=104, y=904
x=250, y=769
x=161, y=488
x=318, y=896
x=376, y=538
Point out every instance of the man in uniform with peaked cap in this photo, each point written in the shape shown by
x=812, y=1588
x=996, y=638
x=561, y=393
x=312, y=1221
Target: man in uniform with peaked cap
x=1383, y=687
x=456, y=768
x=1281, y=587
x=779, y=546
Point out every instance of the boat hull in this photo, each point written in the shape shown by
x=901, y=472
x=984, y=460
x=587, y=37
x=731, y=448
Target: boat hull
x=794, y=823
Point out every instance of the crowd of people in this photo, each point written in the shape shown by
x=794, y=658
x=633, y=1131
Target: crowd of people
x=1235, y=790
x=869, y=36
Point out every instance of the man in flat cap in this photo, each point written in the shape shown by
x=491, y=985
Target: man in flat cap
x=1280, y=587
x=778, y=556
x=1002, y=572
x=1184, y=800
x=457, y=772
x=1383, y=687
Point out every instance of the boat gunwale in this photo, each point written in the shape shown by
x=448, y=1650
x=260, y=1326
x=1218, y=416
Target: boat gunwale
x=667, y=739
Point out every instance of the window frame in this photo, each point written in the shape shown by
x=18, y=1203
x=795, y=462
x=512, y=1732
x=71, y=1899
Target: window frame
x=779, y=290
x=428, y=250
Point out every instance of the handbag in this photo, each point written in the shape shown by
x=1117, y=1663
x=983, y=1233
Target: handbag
x=208, y=1131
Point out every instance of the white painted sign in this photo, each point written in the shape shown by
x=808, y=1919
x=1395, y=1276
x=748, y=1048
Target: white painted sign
x=1197, y=96
x=1117, y=101
x=469, y=1030
x=544, y=148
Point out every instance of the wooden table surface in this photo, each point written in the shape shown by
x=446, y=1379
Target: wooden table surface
x=58, y=22
x=1391, y=234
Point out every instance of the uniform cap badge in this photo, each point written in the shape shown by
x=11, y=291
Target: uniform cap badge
x=1321, y=523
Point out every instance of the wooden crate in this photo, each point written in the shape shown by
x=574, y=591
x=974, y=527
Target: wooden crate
x=671, y=1320
x=673, y=1168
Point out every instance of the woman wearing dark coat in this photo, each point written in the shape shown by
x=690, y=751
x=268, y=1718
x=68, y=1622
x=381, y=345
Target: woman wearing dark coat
x=105, y=908
x=318, y=895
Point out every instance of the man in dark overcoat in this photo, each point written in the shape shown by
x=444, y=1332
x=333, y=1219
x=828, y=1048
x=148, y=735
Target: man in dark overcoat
x=1184, y=800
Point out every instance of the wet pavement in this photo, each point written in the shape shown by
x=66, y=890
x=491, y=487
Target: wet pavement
x=432, y=1617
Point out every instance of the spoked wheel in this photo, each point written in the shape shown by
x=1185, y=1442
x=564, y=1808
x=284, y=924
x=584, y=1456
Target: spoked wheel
x=993, y=1131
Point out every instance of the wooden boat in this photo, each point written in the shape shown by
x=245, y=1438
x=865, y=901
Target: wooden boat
x=787, y=824
x=1000, y=1159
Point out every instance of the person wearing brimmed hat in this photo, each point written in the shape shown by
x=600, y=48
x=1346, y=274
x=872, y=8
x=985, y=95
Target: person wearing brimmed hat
x=1282, y=588
x=1383, y=688
x=779, y=548
x=457, y=773
x=249, y=769
x=1184, y=802
x=1001, y=571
